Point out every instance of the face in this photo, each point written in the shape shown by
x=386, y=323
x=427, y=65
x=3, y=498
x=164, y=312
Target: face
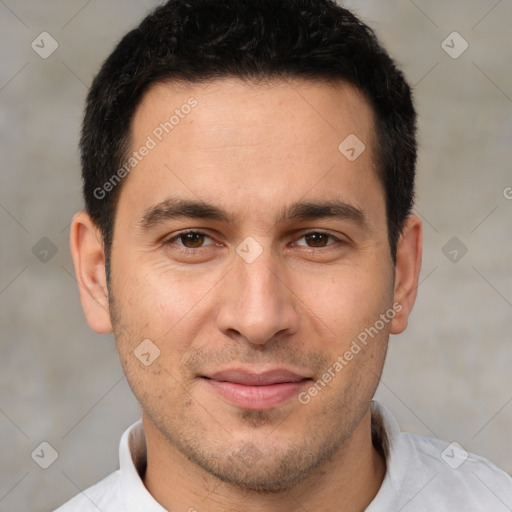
x=253, y=255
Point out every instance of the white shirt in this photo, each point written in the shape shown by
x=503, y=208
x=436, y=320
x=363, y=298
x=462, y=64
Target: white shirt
x=422, y=475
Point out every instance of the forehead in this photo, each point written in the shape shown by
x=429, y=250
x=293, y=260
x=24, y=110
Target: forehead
x=246, y=108
x=252, y=145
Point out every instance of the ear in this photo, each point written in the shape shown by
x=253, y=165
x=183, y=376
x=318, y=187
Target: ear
x=407, y=271
x=89, y=261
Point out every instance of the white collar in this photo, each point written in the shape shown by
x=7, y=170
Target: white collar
x=132, y=463
x=132, y=460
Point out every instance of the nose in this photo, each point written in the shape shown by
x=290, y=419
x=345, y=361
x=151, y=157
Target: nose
x=257, y=302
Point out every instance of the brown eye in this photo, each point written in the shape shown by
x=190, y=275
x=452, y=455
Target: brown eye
x=192, y=240
x=317, y=239
x=189, y=240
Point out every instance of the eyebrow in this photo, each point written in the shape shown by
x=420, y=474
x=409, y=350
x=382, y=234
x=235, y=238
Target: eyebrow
x=174, y=208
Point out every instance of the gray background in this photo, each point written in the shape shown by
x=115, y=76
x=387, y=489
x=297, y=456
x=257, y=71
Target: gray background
x=447, y=376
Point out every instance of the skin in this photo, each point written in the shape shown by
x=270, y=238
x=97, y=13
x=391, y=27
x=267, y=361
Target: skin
x=252, y=149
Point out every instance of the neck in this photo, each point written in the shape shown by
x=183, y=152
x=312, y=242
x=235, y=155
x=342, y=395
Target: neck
x=348, y=481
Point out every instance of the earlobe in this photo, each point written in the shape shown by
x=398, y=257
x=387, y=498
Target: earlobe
x=89, y=261
x=407, y=271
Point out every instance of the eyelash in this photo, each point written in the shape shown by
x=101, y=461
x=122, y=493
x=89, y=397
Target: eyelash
x=198, y=250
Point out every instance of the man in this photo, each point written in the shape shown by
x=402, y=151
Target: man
x=248, y=177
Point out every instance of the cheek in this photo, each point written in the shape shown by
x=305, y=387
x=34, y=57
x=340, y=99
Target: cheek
x=166, y=305
x=152, y=295
x=346, y=303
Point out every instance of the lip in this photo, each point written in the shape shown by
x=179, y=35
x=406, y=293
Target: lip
x=256, y=391
x=254, y=378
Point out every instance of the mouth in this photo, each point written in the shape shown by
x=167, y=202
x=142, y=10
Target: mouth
x=256, y=391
